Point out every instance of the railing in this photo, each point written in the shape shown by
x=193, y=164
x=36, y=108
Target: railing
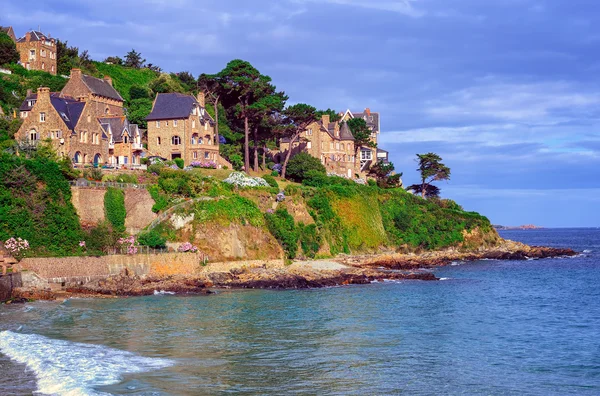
x=97, y=184
x=111, y=146
x=137, y=146
x=125, y=251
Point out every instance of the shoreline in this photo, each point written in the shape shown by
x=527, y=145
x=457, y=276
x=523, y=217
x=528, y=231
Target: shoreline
x=338, y=271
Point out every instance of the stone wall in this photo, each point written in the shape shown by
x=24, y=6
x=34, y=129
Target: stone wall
x=84, y=269
x=89, y=204
x=7, y=284
x=138, y=205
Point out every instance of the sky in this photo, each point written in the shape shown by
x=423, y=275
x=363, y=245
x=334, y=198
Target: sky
x=505, y=91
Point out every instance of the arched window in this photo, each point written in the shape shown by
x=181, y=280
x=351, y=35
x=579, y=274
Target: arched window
x=195, y=138
x=106, y=111
x=175, y=140
x=33, y=136
x=208, y=139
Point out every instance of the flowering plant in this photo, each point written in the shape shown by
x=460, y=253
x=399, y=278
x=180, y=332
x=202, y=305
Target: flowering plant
x=82, y=244
x=207, y=164
x=16, y=247
x=270, y=211
x=187, y=247
x=242, y=180
x=280, y=197
x=130, y=243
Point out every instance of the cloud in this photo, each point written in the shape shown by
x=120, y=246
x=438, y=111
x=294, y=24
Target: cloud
x=399, y=6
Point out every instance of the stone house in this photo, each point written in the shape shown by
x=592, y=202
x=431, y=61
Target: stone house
x=180, y=127
x=368, y=154
x=82, y=120
x=9, y=30
x=331, y=142
x=37, y=51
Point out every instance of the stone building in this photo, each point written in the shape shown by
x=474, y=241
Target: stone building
x=180, y=127
x=37, y=51
x=331, y=142
x=9, y=30
x=84, y=121
x=368, y=154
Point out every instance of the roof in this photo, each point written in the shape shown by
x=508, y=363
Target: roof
x=69, y=109
x=115, y=126
x=25, y=105
x=345, y=133
x=35, y=36
x=100, y=87
x=173, y=106
x=371, y=117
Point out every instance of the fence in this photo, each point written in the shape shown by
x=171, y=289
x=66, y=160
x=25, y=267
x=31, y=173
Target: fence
x=97, y=184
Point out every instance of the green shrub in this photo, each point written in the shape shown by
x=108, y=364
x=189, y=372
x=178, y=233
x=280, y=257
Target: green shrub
x=179, y=162
x=101, y=238
x=310, y=240
x=315, y=178
x=156, y=168
x=274, y=173
x=282, y=227
x=161, y=201
x=144, y=161
x=114, y=207
x=302, y=163
x=235, y=209
x=271, y=181
x=152, y=239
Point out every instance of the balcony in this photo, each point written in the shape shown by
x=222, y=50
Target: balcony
x=111, y=145
x=137, y=146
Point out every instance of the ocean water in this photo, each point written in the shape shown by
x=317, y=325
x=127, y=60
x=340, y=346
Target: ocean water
x=489, y=328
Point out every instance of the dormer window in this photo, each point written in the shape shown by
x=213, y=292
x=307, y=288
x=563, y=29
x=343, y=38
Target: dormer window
x=194, y=111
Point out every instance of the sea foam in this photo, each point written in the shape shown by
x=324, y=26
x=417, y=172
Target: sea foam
x=70, y=368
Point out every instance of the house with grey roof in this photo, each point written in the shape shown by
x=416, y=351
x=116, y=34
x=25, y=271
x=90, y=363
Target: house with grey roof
x=180, y=127
x=37, y=51
x=368, y=155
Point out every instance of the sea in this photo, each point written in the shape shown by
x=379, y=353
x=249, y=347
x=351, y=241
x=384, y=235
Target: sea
x=487, y=328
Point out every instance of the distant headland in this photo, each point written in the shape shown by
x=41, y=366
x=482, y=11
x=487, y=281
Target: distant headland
x=521, y=227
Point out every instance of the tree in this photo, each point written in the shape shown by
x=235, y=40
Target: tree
x=333, y=115
x=296, y=119
x=154, y=68
x=187, y=79
x=67, y=57
x=243, y=83
x=261, y=113
x=385, y=176
x=8, y=50
x=431, y=169
x=362, y=135
x=431, y=191
x=134, y=59
x=138, y=110
x=114, y=60
x=301, y=164
x=212, y=86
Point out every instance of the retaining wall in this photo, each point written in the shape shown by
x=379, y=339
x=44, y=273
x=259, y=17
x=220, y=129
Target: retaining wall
x=7, y=284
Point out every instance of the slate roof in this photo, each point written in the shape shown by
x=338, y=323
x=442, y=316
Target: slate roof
x=69, y=109
x=25, y=105
x=35, y=36
x=345, y=133
x=100, y=87
x=115, y=126
x=176, y=106
x=172, y=106
x=373, y=123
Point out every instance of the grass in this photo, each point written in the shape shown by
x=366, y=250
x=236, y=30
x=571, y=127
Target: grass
x=124, y=77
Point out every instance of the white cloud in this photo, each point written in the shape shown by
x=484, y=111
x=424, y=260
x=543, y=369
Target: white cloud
x=400, y=6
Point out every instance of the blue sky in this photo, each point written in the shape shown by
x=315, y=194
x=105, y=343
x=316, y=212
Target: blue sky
x=506, y=91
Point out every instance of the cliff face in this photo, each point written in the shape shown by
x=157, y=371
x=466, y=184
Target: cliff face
x=325, y=222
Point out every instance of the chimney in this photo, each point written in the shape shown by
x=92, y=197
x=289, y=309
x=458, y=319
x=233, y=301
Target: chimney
x=28, y=36
x=325, y=119
x=108, y=80
x=368, y=111
x=76, y=73
x=201, y=99
x=43, y=94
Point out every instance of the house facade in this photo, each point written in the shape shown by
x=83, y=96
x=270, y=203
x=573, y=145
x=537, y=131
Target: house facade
x=9, y=30
x=180, y=127
x=331, y=142
x=37, y=51
x=368, y=155
x=85, y=122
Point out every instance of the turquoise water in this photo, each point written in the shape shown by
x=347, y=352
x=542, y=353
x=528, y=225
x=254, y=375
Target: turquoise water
x=493, y=328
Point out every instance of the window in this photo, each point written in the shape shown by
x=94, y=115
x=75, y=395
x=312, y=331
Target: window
x=205, y=126
x=174, y=123
x=343, y=147
x=158, y=124
x=125, y=139
x=200, y=141
x=106, y=111
x=175, y=140
x=195, y=155
x=43, y=65
x=194, y=111
x=89, y=118
x=331, y=145
x=43, y=53
x=337, y=146
x=309, y=145
x=193, y=123
x=59, y=134
x=366, y=155
x=167, y=123
x=42, y=117
x=195, y=138
x=33, y=135
x=158, y=140
x=309, y=132
x=206, y=155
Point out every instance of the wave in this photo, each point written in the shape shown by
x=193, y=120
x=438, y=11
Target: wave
x=70, y=368
x=162, y=293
